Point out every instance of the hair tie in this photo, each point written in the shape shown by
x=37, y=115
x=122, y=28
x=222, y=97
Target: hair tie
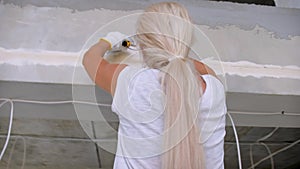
x=175, y=57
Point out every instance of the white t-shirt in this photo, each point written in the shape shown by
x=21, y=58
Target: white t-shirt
x=138, y=101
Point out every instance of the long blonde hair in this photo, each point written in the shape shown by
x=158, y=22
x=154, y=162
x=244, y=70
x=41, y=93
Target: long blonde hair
x=164, y=32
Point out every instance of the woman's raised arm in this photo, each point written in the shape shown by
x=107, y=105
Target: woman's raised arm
x=103, y=73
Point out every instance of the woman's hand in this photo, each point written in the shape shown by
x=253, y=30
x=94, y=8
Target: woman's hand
x=115, y=40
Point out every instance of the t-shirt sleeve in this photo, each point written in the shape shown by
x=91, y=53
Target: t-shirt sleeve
x=121, y=91
x=212, y=122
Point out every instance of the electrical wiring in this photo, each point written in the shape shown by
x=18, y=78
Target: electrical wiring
x=275, y=153
x=61, y=138
x=237, y=141
x=265, y=137
x=249, y=143
x=60, y=102
x=268, y=149
x=13, y=148
x=11, y=101
x=263, y=113
x=45, y=139
x=4, y=101
x=9, y=126
x=268, y=135
x=269, y=152
x=251, y=156
x=259, y=140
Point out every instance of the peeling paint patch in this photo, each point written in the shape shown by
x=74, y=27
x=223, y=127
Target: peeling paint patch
x=258, y=45
x=245, y=68
x=19, y=57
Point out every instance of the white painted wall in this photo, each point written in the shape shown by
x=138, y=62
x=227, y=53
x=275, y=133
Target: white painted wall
x=258, y=46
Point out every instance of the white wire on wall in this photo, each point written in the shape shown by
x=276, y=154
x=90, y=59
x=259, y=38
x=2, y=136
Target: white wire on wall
x=266, y=113
x=268, y=149
x=259, y=140
x=60, y=102
x=237, y=141
x=9, y=125
x=13, y=148
x=11, y=101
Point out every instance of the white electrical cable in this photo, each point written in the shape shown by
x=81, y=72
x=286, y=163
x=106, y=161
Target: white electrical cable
x=237, y=141
x=265, y=137
x=108, y=105
x=35, y=102
x=60, y=102
x=265, y=114
x=268, y=135
x=269, y=152
x=268, y=149
x=1, y=104
x=269, y=156
x=46, y=139
x=61, y=139
x=251, y=156
x=12, y=150
x=10, y=124
x=275, y=153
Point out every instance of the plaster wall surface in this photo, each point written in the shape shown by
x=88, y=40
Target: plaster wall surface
x=252, y=42
x=288, y=3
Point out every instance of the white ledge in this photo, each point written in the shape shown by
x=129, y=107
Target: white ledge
x=60, y=67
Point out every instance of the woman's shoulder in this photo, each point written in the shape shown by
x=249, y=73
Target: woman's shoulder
x=214, y=94
x=139, y=77
x=212, y=79
x=202, y=68
x=138, y=71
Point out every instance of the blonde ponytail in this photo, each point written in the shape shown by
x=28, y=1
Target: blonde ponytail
x=165, y=33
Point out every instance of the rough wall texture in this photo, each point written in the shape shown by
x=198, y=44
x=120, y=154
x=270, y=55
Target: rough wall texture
x=253, y=42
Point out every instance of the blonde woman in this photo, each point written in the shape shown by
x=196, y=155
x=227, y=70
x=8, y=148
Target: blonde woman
x=172, y=110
